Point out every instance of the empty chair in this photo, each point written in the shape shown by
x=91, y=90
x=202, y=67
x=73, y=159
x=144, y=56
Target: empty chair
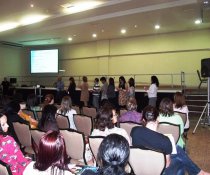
x=183, y=116
x=89, y=111
x=146, y=162
x=169, y=128
x=4, y=169
x=24, y=136
x=75, y=145
x=128, y=126
x=62, y=121
x=83, y=124
x=94, y=142
x=77, y=109
x=202, y=80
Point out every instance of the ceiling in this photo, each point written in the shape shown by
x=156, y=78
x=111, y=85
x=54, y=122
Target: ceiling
x=138, y=17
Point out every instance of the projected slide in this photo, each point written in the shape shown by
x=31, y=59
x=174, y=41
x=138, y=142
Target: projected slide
x=44, y=61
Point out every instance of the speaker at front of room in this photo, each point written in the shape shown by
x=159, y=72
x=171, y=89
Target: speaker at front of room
x=205, y=67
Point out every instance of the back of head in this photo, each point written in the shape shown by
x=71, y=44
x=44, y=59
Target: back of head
x=96, y=80
x=84, y=78
x=131, y=82
x=179, y=100
x=150, y=113
x=166, y=107
x=12, y=107
x=48, y=121
x=113, y=155
x=155, y=80
x=111, y=81
x=51, y=152
x=103, y=79
x=131, y=104
x=31, y=101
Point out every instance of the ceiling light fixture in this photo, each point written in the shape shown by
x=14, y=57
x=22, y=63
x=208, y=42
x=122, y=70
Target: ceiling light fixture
x=8, y=26
x=94, y=35
x=31, y=5
x=70, y=39
x=123, y=31
x=205, y=2
x=32, y=19
x=157, y=26
x=197, y=21
x=135, y=26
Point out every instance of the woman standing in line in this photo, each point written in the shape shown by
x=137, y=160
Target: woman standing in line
x=152, y=91
x=72, y=89
x=131, y=88
x=122, y=98
x=84, y=97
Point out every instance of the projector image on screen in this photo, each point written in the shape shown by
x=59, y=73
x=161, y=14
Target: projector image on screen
x=44, y=61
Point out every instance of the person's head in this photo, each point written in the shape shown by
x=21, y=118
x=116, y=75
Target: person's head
x=96, y=80
x=31, y=101
x=150, y=114
x=113, y=154
x=3, y=124
x=84, y=79
x=48, y=121
x=111, y=81
x=103, y=79
x=12, y=107
x=154, y=80
x=49, y=99
x=59, y=78
x=66, y=104
x=51, y=152
x=179, y=100
x=166, y=107
x=131, y=104
x=71, y=79
x=5, y=78
x=104, y=118
x=122, y=82
x=131, y=82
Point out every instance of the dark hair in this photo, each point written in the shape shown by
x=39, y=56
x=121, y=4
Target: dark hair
x=166, y=107
x=72, y=79
x=48, y=121
x=111, y=81
x=131, y=82
x=52, y=152
x=150, y=113
x=66, y=105
x=31, y=101
x=131, y=104
x=84, y=79
x=96, y=80
x=179, y=100
x=102, y=79
x=104, y=118
x=154, y=80
x=122, y=82
x=12, y=107
x=48, y=98
x=1, y=130
x=113, y=155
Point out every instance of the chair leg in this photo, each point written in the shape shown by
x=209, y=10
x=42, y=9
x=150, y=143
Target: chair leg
x=200, y=85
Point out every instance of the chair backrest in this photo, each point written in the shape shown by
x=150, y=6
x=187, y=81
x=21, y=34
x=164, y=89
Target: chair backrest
x=183, y=116
x=77, y=109
x=62, y=121
x=146, y=162
x=75, y=144
x=23, y=133
x=128, y=126
x=83, y=123
x=94, y=142
x=39, y=114
x=4, y=169
x=36, y=135
x=29, y=112
x=122, y=111
x=89, y=111
x=169, y=128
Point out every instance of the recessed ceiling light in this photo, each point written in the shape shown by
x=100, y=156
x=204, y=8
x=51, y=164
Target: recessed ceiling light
x=32, y=19
x=70, y=39
x=205, y=2
x=123, y=31
x=94, y=35
x=135, y=26
x=102, y=30
x=31, y=5
x=198, y=21
x=8, y=26
x=157, y=26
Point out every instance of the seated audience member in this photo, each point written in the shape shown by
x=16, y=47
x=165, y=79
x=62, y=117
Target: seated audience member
x=66, y=109
x=11, y=111
x=112, y=156
x=33, y=122
x=49, y=99
x=51, y=158
x=148, y=137
x=48, y=121
x=131, y=115
x=105, y=123
x=167, y=115
x=180, y=106
x=32, y=104
x=10, y=152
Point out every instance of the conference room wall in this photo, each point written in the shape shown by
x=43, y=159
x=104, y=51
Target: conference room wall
x=156, y=54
